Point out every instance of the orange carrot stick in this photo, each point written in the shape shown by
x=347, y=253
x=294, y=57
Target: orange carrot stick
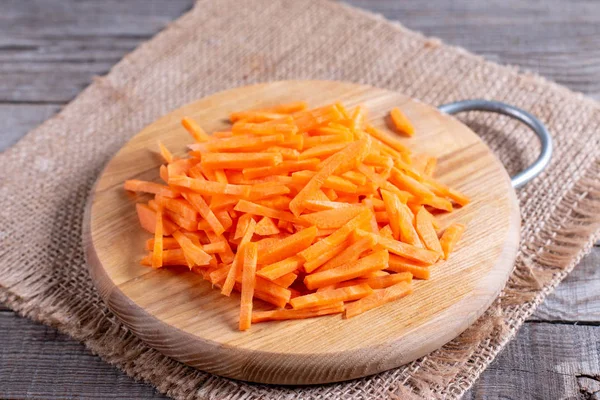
x=240, y=160
x=405, y=250
x=351, y=253
x=281, y=268
x=283, y=314
x=450, y=237
x=288, y=247
x=401, y=122
x=327, y=297
x=135, y=185
x=426, y=230
x=194, y=129
x=266, y=227
x=248, y=283
x=331, y=219
x=401, y=264
x=378, y=298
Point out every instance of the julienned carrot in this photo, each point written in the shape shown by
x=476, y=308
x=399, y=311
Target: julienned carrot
x=195, y=130
x=283, y=314
x=136, y=185
x=266, y=227
x=158, y=237
x=194, y=254
x=378, y=298
x=350, y=253
x=331, y=219
x=328, y=297
x=379, y=282
x=417, y=269
x=450, y=237
x=248, y=283
x=406, y=250
x=288, y=246
x=401, y=122
x=424, y=227
x=317, y=199
x=373, y=262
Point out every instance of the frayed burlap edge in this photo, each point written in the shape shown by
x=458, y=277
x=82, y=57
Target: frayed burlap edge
x=446, y=373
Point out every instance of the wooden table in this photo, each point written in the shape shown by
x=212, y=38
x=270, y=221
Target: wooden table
x=51, y=49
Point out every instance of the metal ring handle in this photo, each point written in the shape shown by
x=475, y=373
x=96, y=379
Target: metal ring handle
x=532, y=122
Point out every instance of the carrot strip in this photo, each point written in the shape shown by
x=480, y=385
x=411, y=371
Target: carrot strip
x=328, y=297
x=331, y=219
x=286, y=280
x=411, y=185
x=351, y=253
x=322, y=150
x=327, y=139
x=332, y=182
x=405, y=250
x=248, y=283
x=209, y=188
x=377, y=299
x=281, y=268
x=197, y=201
x=401, y=122
x=336, y=238
x=237, y=264
x=158, y=236
x=325, y=256
x=147, y=218
x=266, y=227
x=386, y=139
x=287, y=153
x=379, y=282
x=165, y=153
x=242, y=226
x=283, y=314
x=323, y=205
x=169, y=257
x=195, y=130
x=240, y=160
x=426, y=231
x=179, y=206
x=401, y=264
x=194, y=253
x=135, y=185
x=288, y=247
x=284, y=167
x=373, y=262
x=257, y=209
x=338, y=163
x=169, y=243
x=450, y=237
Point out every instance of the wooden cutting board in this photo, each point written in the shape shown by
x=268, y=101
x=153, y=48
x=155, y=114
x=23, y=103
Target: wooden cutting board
x=177, y=313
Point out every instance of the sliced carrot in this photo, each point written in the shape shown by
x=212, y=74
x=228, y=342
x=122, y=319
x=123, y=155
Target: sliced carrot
x=331, y=219
x=337, y=137
x=179, y=206
x=281, y=268
x=336, y=238
x=284, y=167
x=401, y=122
x=312, y=119
x=355, y=177
x=401, y=264
x=164, y=173
x=238, y=260
x=424, y=227
x=256, y=116
x=147, y=218
x=379, y=282
x=264, y=129
x=242, y=226
x=136, y=185
x=169, y=243
x=336, y=183
x=325, y=256
x=169, y=257
x=350, y=253
x=338, y=163
x=276, y=202
x=288, y=247
x=387, y=139
x=286, y=280
x=322, y=151
x=248, y=283
x=374, y=262
x=450, y=237
x=266, y=227
x=405, y=250
x=323, y=205
x=267, y=189
x=158, y=236
x=239, y=144
x=192, y=252
x=165, y=153
x=263, y=211
x=328, y=297
x=330, y=193
x=287, y=153
x=217, y=276
x=194, y=129
x=240, y=160
x=359, y=117
x=378, y=298
x=210, y=188
x=283, y=314
x=411, y=185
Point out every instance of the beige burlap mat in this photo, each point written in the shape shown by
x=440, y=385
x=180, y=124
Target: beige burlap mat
x=46, y=177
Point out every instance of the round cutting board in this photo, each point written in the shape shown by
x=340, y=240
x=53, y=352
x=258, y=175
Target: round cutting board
x=176, y=312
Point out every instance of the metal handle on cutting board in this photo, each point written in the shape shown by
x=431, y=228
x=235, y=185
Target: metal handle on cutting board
x=523, y=177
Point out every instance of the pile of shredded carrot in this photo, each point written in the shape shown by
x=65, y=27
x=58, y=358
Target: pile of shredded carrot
x=315, y=212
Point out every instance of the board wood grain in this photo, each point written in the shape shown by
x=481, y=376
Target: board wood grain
x=179, y=314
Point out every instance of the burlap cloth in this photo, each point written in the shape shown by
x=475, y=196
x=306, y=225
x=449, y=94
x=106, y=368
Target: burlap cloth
x=46, y=177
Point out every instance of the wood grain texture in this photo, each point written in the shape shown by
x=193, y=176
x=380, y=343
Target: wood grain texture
x=179, y=314
x=81, y=35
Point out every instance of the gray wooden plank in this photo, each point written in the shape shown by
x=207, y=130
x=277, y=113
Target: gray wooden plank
x=577, y=298
x=557, y=39
x=37, y=362
x=544, y=361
